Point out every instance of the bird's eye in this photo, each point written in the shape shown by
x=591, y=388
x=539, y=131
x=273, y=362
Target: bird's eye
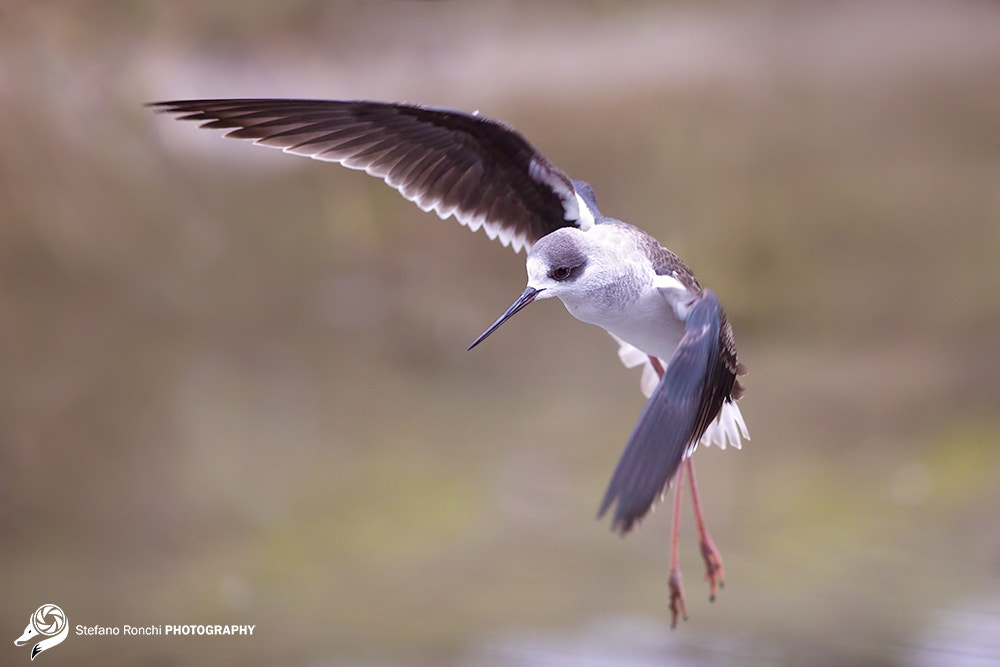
x=562, y=273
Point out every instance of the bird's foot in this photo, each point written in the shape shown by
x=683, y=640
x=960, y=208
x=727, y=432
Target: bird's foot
x=677, y=605
x=714, y=573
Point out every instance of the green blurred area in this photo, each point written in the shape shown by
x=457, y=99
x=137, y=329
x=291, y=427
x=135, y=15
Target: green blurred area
x=235, y=387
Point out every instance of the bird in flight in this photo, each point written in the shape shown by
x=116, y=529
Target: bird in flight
x=606, y=272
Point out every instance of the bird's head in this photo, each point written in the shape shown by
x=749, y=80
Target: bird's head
x=559, y=265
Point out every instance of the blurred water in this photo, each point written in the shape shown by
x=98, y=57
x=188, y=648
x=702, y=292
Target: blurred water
x=966, y=634
x=621, y=641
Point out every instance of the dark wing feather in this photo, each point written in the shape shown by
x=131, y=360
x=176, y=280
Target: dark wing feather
x=480, y=170
x=689, y=396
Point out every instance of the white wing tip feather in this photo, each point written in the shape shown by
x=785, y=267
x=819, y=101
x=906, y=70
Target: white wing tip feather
x=727, y=429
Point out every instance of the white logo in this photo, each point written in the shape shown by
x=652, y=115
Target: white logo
x=48, y=621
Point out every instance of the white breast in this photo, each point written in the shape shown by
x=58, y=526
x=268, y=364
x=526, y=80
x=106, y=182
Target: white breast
x=619, y=290
x=650, y=322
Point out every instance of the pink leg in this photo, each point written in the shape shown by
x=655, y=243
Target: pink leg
x=714, y=572
x=713, y=560
x=678, y=607
x=677, y=604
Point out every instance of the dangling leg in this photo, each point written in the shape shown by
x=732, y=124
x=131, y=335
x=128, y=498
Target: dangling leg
x=713, y=560
x=678, y=607
x=677, y=604
x=714, y=572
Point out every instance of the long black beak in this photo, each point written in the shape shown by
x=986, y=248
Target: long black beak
x=527, y=296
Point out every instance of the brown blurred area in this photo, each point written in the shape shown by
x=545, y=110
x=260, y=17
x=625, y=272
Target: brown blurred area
x=234, y=386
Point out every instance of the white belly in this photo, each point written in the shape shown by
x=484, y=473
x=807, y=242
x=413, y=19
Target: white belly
x=651, y=327
x=649, y=323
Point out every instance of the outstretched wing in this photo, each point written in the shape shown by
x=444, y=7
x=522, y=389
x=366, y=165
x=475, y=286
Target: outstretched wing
x=698, y=379
x=480, y=170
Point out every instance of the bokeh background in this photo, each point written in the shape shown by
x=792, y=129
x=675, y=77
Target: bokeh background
x=235, y=387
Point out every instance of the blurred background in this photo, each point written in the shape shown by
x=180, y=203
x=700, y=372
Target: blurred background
x=235, y=386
